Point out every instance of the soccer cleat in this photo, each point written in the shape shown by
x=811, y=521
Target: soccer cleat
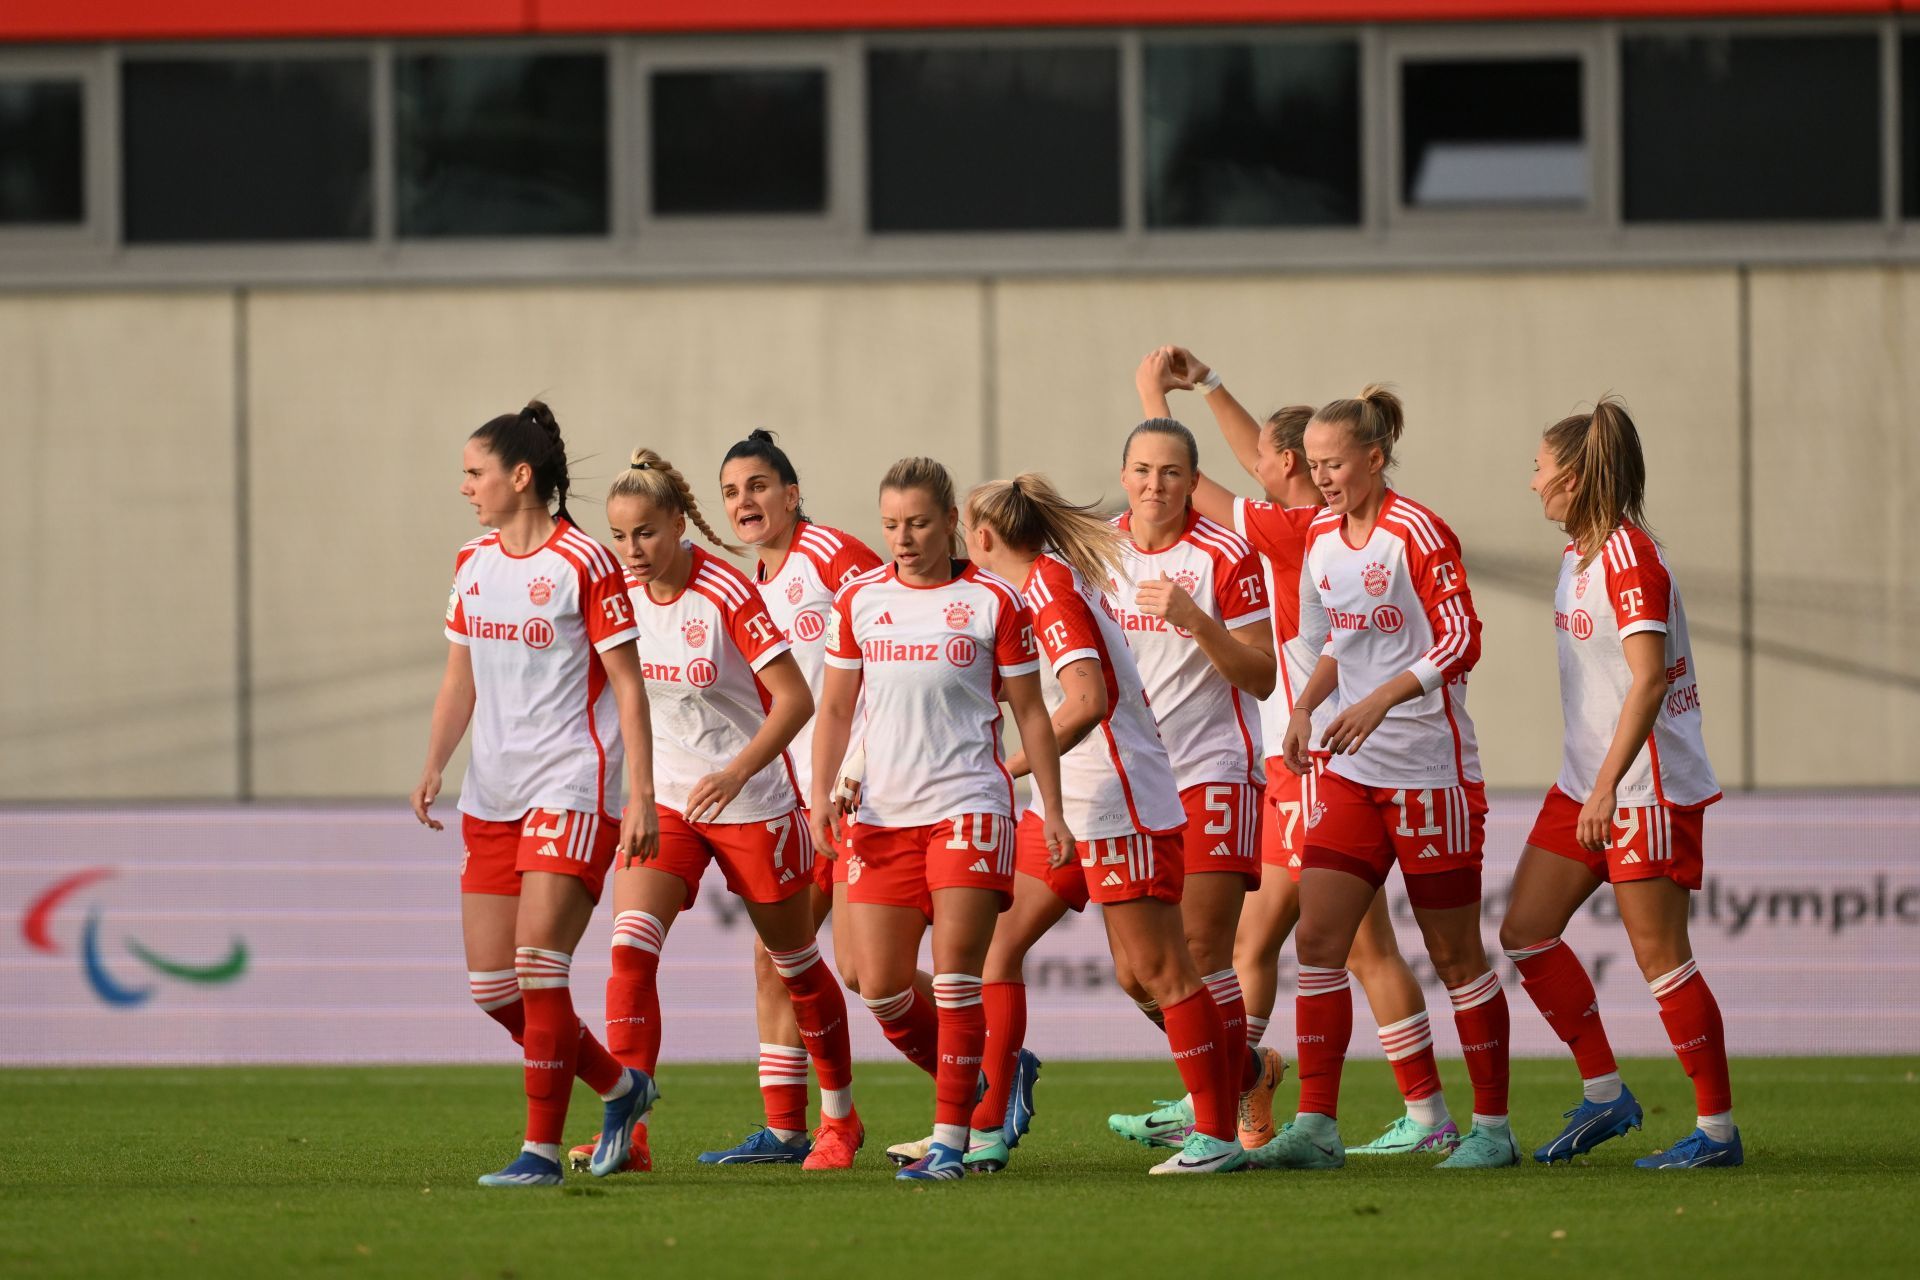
x=835, y=1143
x=1201, y=1153
x=527, y=1170
x=1589, y=1125
x=986, y=1151
x=1484, y=1148
x=639, y=1154
x=940, y=1164
x=1166, y=1126
x=905, y=1153
x=1293, y=1148
x=1256, y=1104
x=762, y=1146
x=1408, y=1137
x=615, y=1143
x=1026, y=1070
x=1696, y=1151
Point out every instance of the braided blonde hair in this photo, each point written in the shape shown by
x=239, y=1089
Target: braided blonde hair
x=652, y=477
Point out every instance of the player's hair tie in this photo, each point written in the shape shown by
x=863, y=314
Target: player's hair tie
x=641, y=466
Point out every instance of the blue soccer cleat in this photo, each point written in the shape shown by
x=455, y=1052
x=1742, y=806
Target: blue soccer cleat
x=1696, y=1151
x=763, y=1147
x=1026, y=1070
x=527, y=1170
x=940, y=1164
x=1590, y=1124
x=616, y=1123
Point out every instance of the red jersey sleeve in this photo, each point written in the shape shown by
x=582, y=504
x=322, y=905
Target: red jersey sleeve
x=456, y=626
x=1014, y=652
x=1637, y=582
x=852, y=559
x=1240, y=589
x=753, y=631
x=606, y=609
x=1440, y=579
x=1276, y=532
x=843, y=649
x=1066, y=628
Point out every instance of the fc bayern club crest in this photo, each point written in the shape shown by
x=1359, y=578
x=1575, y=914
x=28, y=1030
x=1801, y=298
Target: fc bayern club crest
x=540, y=590
x=694, y=632
x=1374, y=579
x=795, y=590
x=1189, y=580
x=1580, y=586
x=959, y=615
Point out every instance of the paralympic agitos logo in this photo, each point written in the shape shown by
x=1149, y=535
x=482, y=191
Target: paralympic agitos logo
x=34, y=926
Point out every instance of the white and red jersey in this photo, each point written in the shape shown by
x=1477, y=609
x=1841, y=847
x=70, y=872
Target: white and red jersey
x=1279, y=534
x=546, y=730
x=702, y=652
x=1400, y=603
x=1211, y=729
x=931, y=660
x=799, y=595
x=1624, y=591
x=1117, y=781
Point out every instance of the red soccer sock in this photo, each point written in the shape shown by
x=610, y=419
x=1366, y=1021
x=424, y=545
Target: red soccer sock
x=633, y=992
x=783, y=1086
x=1323, y=1024
x=1006, y=1007
x=1692, y=1018
x=497, y=992
x=1557, y=983
x=599, y=1070
x=1409, y=1047
x=552, y=1040
x=820, y=1009
x=962, y=1044
x=1480, y=1015
x=1224, y=987
x=1202, y=1050
x=910, y=1025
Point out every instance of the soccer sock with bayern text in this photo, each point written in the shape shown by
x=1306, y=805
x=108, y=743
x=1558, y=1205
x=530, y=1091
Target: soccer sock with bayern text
x=962, y=1044
x=1206, y=1058
x=552, y=1041
x=1480, y=1016
x=633, y=992
x=1556, y=981
x=1323, y=1024
x=910, y=1025
x=1224, y=987
x=1692, y=1019
x=1409, y=1048
x=1006, y=1007
x=820, y=1009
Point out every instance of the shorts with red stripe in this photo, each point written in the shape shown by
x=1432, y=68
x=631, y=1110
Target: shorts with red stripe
x=766, y=861
x=1223, y=829
x=561, y=841
x=902, y=866
x=1436, y=834
x=1650, y=842
x=1030, y=858
x=1131, y=867
x=1283, y=820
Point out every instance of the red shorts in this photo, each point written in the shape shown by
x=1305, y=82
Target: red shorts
x=1283, y=820
x=763, y=861
x=902, y=866
x=1650, y=842
x=1030, y=858
x=1223, y=829
x=557, y=840
x=1432, y=831
x=826, y=870
x=1128, y=868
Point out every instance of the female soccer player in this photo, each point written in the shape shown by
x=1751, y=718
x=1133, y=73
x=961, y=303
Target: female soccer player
x=728, y=697
x=1634, y=782
x=1120, y=798
x=1275, y=456
x=933, y=643
x=541, y=662
x=799, y=565
x=1194, y=605
x=1403, y=782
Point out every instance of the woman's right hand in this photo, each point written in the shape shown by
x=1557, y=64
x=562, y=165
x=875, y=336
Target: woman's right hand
x=425, y=792
x=1160, y=372
x=639, y=835
x=821, y=820
x=1298, y=741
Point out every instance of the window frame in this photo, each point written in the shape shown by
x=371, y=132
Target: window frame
x=100, y=150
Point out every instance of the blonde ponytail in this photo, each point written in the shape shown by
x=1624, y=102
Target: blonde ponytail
x=652, y=477
x=1601, y=452
x=1029, y=514
x=1375, y=419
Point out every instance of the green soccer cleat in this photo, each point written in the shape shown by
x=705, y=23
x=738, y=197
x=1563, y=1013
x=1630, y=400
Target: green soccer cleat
x=1203, y=1154
x=1294, y=1148
x=1484, y=1148
x=1408, y=1137
x=1167, y=1125
x=986, y=1150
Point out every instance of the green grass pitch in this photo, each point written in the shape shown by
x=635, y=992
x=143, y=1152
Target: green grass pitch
x=369, y=1172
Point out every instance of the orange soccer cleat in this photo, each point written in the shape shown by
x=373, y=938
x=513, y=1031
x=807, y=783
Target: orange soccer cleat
x=1256, y=1104
x=835, y=1142
x=639, y=1156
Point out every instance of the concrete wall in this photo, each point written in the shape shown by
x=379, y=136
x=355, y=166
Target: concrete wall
x=129, y=672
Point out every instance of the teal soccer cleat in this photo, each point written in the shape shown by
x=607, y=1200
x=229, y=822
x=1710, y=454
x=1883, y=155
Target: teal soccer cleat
x=1294, y=1148
x=1408, y=1137
x=527, y=1170
x=1167, y=1125
x=1484, y=1148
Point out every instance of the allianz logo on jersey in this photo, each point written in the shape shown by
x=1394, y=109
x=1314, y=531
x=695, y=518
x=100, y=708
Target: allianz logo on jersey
x=535, y=633
x=1386, y=619
x=958, y=651
x=699, y=673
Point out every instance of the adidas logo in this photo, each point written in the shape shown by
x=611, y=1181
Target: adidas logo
x=1429, y=852
x=474, y=590
x=1630, y=858
x=981, y=868
x=1113, y=881
x=884, y=620
x=548, y=851
x=1324, y=585
x=1220, y=851
x=786, y=876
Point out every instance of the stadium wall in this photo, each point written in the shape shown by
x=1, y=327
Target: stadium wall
x=235, y=511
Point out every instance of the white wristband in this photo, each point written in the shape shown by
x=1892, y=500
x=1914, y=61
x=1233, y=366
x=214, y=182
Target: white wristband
x=1209, y=384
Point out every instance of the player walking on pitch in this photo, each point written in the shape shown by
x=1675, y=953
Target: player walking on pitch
x=541, y=663
x=1628, y=807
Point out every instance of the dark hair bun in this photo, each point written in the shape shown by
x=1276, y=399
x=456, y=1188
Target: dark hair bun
x=760, y=434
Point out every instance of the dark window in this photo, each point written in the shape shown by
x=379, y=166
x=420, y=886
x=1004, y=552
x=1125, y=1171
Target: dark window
x=739, y=141
x=248, y=149
x=1492, y=131
x=1253, y=135
x=993, y=139
x=1910, y=124
x=1751, y=127
x=41, y=152
x=501, y=144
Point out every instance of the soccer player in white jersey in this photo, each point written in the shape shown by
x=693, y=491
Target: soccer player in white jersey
x=727, y=698
x=1120, y=799
x=1627, y=809
x=1274, y=454
x=933, y=644
x=1403, y=781
x=798, y=566
x=1193, y=603
x=541, y=663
